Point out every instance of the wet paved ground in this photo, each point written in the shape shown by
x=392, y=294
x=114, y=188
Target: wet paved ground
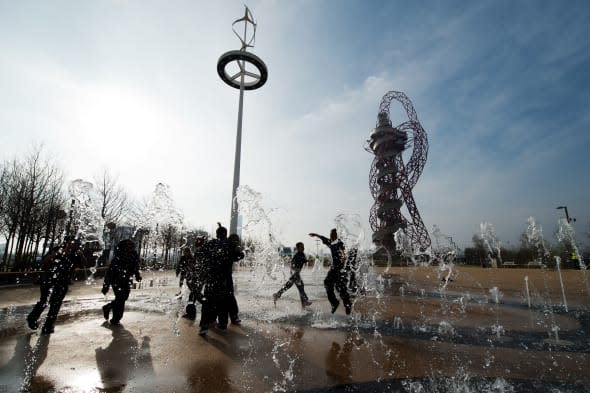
x=409, y=333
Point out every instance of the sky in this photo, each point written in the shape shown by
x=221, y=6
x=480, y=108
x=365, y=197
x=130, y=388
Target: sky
x=501, y=88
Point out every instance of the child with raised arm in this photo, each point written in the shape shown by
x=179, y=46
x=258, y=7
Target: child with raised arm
x=337, y=275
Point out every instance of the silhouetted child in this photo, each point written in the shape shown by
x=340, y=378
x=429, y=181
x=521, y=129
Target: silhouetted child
x=195, y=278
x=181, y=268
x=297, y=263
x=58, y=266
x=124, y=265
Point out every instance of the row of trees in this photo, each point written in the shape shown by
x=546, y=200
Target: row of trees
x=37, y=210
x=524, y=253
x=32, y=211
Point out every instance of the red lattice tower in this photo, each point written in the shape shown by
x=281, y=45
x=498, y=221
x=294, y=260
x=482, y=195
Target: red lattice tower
x=391, y=180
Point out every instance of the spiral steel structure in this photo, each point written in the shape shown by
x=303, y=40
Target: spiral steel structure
x=391, y=180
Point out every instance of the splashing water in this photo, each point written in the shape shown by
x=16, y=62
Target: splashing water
x=158, y=220
x=446, y=329
x=90, y=279
x=350, y=229
x=558, y=265
x=86, y=217
x=496, y=294
x=498, y=330
x=491, y=242
x=526, y=286
x=555, y=329
x=534, y=235
x=280, y=348
x=161, y=209
x=352, y=234
x=260, y=236
x=403, y=245
x=567, y=235
x=445, y=253
x=87, y=220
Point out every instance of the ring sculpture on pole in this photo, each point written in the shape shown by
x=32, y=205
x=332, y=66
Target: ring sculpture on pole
x=244, y=71
x=391, y=180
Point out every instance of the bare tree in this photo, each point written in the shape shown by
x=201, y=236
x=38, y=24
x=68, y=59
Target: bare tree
x=113, y=198
x=114, y=203
x=31, y=195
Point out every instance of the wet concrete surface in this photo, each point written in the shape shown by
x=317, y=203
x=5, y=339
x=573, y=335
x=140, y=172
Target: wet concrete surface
x=412, y=334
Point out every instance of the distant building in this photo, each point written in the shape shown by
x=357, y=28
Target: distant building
x=285, y=251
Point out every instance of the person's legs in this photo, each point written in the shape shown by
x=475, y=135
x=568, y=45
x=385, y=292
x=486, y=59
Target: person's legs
x=208, y=313
x=55, y=300
x=285, y=287
x=106, y=310
x=34, y=315
x=192, y=296
x=343, y=291
x=191, y=311
x=223, y=310
x=302, y=295
x=191, y=308
x=329, y=283
x=296, y=277
x=121, y=296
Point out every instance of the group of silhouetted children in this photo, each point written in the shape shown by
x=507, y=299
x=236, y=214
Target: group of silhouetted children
x=208, y=275
x=207, y=272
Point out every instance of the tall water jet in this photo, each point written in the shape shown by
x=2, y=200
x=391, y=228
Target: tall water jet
x=444, y=251
x=491, y=242
x=567, y=235
x=534, y=235
x=352, y=234
x=160, y=218
x=259, y=234
x=558, y=264
x=404, y=248
x=86, y=221
x=527, y=292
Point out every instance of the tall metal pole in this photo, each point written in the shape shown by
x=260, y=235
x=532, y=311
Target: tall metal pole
x=233, y=226
x=256, y=79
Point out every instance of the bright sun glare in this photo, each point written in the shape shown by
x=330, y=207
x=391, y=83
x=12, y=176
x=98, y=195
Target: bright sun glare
x=114, y=119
